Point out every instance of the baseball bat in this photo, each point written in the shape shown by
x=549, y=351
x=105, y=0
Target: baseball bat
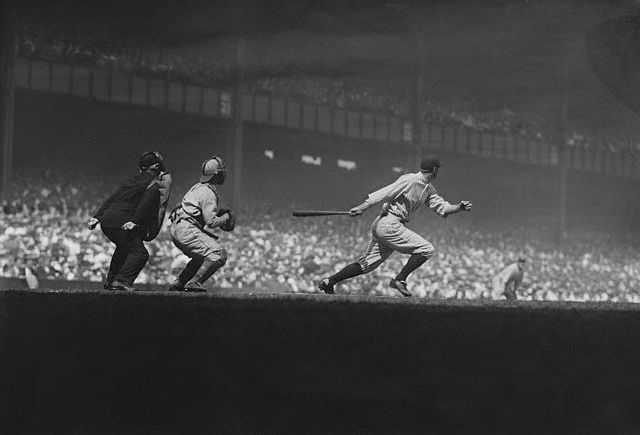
x=304, y=213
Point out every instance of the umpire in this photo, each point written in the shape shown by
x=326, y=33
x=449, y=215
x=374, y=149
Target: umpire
x=125, y=218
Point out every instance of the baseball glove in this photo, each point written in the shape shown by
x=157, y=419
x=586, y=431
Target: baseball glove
x=230, y=224
x=223, y=210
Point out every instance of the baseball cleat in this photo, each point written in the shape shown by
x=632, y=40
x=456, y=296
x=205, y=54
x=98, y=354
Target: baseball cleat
x=510, y=296
x=119, y=285
x=176, y=287
x=325, y=287
x=195, y=287
x=108, y=283
x=401, y=286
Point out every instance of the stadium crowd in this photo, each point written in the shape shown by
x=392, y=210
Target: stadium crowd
x=43, y=222
x=43, y=229
x=386, y=98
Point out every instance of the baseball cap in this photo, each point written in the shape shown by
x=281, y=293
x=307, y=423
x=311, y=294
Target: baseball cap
x=429, y=163
x=211, y=167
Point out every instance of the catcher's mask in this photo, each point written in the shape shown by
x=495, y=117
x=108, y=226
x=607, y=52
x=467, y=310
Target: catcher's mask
x=151, y=160
x=212, y=167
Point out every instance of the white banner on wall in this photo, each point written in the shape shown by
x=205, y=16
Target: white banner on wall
x=347, y=164
x=310, y=160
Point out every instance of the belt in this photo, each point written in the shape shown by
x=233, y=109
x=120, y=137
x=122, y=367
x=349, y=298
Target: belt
x=387, y=213
x=176, y=218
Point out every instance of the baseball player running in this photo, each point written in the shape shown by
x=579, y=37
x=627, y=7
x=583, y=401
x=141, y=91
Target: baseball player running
x=388, y=232
x=192, y=228
x=507, y=281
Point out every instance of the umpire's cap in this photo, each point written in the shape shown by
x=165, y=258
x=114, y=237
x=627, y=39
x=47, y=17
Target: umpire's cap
x=150, y=158
x=429, y=163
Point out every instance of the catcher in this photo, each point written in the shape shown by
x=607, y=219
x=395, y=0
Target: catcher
x=192, y=228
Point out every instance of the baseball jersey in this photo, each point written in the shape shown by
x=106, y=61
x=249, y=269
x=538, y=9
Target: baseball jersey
x=407, y=194
x=511, y=273
x=201, y=203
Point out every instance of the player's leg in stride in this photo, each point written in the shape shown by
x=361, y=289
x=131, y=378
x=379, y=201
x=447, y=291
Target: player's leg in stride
x=397, y=237
x=349, y=271
x=400, y=281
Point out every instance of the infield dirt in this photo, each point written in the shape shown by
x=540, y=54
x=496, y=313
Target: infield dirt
x=104, y=362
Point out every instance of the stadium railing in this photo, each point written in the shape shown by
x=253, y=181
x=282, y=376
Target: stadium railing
x=128, y=88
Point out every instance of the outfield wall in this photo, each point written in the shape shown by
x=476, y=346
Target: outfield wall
x=86, y=137
x=120, y=87
x=95, y=362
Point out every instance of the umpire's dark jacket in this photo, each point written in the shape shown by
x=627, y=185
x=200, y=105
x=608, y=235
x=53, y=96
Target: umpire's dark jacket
x=137, y=200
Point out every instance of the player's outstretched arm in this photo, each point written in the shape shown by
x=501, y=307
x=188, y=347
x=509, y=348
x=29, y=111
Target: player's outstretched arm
x=465, y=206
x=359, y=209
x=390, y=191
x=456, y=208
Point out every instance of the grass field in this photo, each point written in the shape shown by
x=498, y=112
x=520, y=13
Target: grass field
x=157, y=362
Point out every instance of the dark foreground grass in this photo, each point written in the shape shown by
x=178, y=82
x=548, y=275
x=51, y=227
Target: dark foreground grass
x=100, y=362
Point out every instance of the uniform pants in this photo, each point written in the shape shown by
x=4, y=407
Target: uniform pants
x=388, y=234
x=197, y=245
x=501, y=288
x=130, y=255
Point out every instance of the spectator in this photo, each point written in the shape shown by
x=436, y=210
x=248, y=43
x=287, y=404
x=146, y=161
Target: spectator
x=43, y=222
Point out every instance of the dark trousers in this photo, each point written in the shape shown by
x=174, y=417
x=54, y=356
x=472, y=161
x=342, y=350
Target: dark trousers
x=129, y=257
x=509, y=292
x=190, y=269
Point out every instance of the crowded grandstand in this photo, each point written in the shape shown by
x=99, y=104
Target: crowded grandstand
x=43, y=229
x=43, y=233
x=319, y=216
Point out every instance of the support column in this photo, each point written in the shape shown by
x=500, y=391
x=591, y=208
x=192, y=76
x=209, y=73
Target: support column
x=234, y=146
x=7, y=62
x=418, y=103
x=561, y=139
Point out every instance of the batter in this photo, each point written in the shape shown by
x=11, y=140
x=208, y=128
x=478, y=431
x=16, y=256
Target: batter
x=388, y=231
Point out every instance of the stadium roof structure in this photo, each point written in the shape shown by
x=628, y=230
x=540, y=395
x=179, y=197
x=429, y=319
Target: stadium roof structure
x=521, y=54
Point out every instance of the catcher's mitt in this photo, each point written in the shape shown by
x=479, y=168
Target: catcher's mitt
x=223, y=210
x=230, y=224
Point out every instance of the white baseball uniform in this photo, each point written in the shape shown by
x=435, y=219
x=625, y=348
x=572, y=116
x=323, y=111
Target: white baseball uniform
x=388, y=233
x=197, y=212
x=510, y=275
